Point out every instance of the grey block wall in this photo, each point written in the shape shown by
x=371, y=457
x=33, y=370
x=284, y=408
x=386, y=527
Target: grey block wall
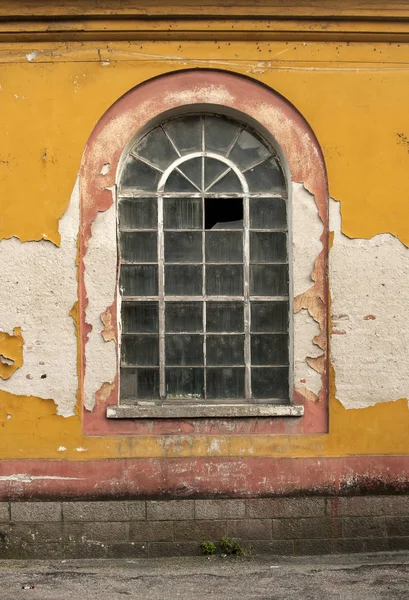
x=139, y=529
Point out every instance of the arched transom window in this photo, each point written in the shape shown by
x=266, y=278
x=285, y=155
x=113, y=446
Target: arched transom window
x=204, y=280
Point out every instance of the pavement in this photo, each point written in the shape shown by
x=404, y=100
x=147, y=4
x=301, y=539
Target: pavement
x=348, y=577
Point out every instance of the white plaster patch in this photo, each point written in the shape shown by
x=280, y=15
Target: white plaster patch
x=216, y=94
x=100, y=282
x=32, y=55
x=38, y=289
x=305, y=329
x=307, y=229
x=369, y=283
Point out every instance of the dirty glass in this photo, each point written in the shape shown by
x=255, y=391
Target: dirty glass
x=203, y=270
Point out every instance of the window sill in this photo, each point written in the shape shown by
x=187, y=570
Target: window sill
x=186, y=411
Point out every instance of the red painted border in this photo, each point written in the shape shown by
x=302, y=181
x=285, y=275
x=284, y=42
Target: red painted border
x=202, y=477
x=118, y=126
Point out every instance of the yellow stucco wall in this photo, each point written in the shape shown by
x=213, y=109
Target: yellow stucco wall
x=354, y=96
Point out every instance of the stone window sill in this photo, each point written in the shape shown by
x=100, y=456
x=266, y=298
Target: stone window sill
x=186, y=411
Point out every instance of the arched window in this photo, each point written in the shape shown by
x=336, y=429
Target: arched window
x=204, y=270
x=203, y=261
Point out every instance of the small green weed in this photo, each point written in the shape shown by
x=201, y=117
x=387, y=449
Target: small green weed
x=208, y=548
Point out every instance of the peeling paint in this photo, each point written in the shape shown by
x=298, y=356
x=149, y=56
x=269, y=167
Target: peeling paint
x=100, y=265
x=26, y=478
x=369, y=283
x=305, y=330
x=39, y=287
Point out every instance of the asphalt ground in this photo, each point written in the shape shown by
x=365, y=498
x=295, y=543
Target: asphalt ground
x=348, y=577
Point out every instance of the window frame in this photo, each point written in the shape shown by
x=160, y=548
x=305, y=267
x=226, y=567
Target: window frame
x=295, y=143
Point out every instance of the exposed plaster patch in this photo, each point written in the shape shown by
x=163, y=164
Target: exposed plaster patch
x=369, y=284
x=38, y=289
x=307, y=229
x=305, y=330
x=100, y=283
x=217, y=94
x=61, y=449
x=26, y=478
x=106, y=167
x=32, y=55
x=9, y=362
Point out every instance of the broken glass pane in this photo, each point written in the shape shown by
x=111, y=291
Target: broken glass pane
x=183, y=316
x=137, y=174
x=269, y=349
x=140, y=350
x=184, y=383
x=270, y=382
x=157, y=149
x=139, y=280
x=248, y=150
x=225, y=350
x=184, y=349
x=137, y=384
x=269, y=280
x=225, y=382
x=185, y=246
x=224, y=280
x=138, y=213
x=137, y=246
x=268, y=213
x=223, y=213
x=139, y=317
x=224, y=316
x=268, y=247
x=183, y=280
x=182, y=213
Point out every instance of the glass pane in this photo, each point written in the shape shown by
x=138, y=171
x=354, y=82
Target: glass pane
x=267, y=177
x=139, y=317
x=225, y=350
x=182, y=213
x=139, y=246
x=224, y=246
x=270, y=382
x=183, y=316
x=177, y=183
x=224, y=280
x=219, y=134
x=223, y=213
x=248, y=150
x=186, y=133
x=137, y=174
x=224, y=316
x=182, y=383
x=183, y=280
x=269, y=349
x=224, y=383
x=269, y=280
x=193, y=170
x=139, y=280
x=156, y=148
x=213, y=169
x=138, y=213
x=229, y=184
x=183, y=247
x=269, y=316
x=268, y=247
x=137, y=384
x=140, y=350
x=268, y=213
x=184, y=349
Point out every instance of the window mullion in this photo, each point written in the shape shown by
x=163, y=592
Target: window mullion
x=161, y=294
x=246, y=281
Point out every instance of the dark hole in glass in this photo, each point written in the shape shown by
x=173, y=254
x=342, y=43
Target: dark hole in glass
x=223, y=213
